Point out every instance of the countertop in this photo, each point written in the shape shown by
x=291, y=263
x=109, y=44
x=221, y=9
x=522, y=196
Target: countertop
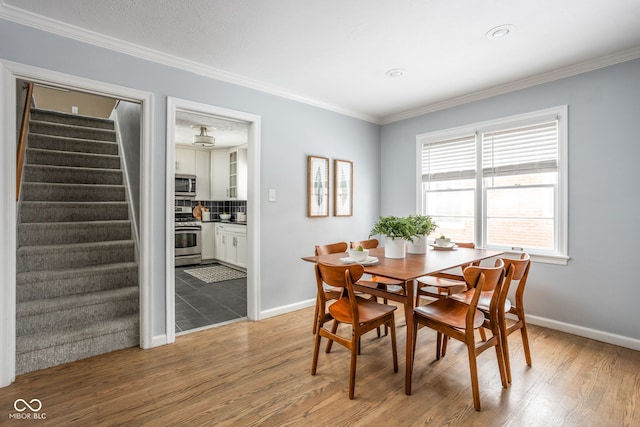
x=227, y=221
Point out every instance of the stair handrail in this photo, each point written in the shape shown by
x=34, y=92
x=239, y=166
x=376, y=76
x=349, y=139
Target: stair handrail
x=22, y=140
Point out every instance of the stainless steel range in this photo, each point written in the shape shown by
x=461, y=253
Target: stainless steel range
x=188, y=237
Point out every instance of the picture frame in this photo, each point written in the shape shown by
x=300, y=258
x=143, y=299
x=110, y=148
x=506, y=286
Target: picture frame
x=317, y=186
x=342, y=188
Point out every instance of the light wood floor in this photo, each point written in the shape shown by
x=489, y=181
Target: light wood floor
x=258, y=373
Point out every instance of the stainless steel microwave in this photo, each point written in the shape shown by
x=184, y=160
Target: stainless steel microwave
x=185, y=186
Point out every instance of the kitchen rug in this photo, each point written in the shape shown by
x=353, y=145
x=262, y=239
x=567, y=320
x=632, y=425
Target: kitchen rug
x=216, y=273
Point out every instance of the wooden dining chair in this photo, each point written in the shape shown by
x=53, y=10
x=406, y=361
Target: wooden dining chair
x=443, y=284
x=515, y=270
x=459, y=321
x=362, y=314
x=330, y=293
x=520, y=273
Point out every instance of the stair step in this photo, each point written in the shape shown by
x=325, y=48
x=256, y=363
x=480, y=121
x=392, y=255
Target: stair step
x=70, y=131
x=72, y=119
x=31, y=211
x=37, y=285
x=68, y=311
x=36, y=156
x=44, y=173
x=46, y=349
x=62, y=257
x=62, y=233
x=60, y=143
x=58, y=192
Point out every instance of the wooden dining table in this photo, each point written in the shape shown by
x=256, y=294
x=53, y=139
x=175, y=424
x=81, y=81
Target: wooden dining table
x=406, y=270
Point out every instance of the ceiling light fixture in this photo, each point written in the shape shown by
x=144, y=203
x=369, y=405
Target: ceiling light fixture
x=396, y=72
x=203, y=139
x=500, y=31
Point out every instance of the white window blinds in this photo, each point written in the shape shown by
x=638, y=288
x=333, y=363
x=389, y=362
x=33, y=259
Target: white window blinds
x=450, y=159
x=523, y=150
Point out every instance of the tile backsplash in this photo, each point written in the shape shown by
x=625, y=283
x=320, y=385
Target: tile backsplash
x=216, y=207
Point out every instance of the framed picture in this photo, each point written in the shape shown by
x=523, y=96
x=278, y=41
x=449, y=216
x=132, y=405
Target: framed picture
x=342, y=188
x=317, y=186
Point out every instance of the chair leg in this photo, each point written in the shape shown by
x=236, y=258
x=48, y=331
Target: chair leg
x=386, y=328
x=445, y=340
x=334, y=329
x=415, y=338
x=315, y=317
x=352, y=368
x=394, y=348
x=501, y=362
x=505, y=348
x=316, y=350
x=483, y=334
x=473, y=370
x=525, y=342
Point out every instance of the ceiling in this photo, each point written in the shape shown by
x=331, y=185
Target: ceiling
x=336, y=53
x=228, y=133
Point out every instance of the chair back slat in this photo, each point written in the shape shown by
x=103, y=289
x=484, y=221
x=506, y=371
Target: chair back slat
x=366, y=244
x=332, y=248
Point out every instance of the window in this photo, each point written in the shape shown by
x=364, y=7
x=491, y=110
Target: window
x=501, y=184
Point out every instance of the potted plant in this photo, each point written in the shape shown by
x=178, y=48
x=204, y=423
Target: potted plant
x=397, y=231
x=424, y=225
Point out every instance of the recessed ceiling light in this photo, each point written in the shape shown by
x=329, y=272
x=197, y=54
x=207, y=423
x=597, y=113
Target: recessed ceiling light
x=500, y=31
x=396, y=72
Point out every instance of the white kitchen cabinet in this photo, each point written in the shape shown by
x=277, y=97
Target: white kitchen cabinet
x=231, y=244
x=185, y=161
x=238, y=173
x=198, y=163
x=219, y=174
x=203, y=175
x=208, y=241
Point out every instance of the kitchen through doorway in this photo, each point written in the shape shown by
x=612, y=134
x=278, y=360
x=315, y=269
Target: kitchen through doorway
x=210, y=219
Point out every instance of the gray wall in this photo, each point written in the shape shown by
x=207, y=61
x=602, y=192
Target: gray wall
x=290, y=132
x=127, y=116
x=599, y=288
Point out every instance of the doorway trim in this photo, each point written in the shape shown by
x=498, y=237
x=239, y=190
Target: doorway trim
x=11, y=72
x=253, y=204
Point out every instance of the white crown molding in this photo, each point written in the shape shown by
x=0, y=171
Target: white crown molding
x=53, y=26
x=560, y=73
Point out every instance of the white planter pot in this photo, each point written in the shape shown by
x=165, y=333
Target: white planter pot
x=395, y=247
x=418, y=246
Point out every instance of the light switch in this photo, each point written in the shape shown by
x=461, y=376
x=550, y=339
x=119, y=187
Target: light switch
x=272, y=195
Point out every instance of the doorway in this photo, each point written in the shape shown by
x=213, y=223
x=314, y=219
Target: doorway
x=13, y=73
x=185, y=116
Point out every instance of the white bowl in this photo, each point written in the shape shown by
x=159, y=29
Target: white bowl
x=358, y=256
x=443, y=242
x=225, y=216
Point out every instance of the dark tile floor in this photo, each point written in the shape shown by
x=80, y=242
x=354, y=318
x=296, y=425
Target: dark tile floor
x=200, y=304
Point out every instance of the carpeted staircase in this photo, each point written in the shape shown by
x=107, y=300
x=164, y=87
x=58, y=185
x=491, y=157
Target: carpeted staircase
x=77, y=275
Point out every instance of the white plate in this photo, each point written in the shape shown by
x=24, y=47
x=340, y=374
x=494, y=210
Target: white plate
x=451, y=247
x=369, y=261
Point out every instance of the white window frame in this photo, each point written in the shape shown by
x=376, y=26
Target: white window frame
x=560, y=254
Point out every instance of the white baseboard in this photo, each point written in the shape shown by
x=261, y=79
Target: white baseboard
x=619, y=340
x=287, y=308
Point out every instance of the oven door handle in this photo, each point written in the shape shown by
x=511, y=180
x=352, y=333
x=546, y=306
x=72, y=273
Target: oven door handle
x=188, y=228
